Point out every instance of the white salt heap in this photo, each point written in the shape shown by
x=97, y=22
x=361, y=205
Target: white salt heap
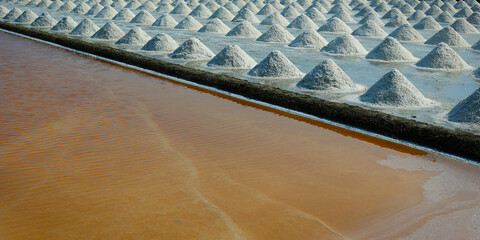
x=445, y=17
x=215, y=26
x=165, y=21
x=395, y=90
x=143, y=18
x=396, y=21
x=231, y=7
x=474, y=18
x=447, y=7
x=406, y=33
x=118, y=4
x=423, y=6
x=109, y=31
x=13, y=14
x=67, y=7
x=181, y=9
x=434, y=11
x=81, y=8
x=393, y=13
x=275, y=18
x=222, y=14
x=448, y=35
x=344, y=45
x=136, y=36
x=276, y=34
x=44, y=4
x=245, y=15
x=85, y=28
x=201, y=12
x=427, y=23
x=267, y=10
x=244, y=30
x=290, y=12
x=463, y=26
x=164, y=8
x=45, y=20
x=335, y=25
x=417, y=16
x=382, y=8
x=3, y=11
x=443, y=57
x=337, y=8
x=161, y=42
x=344, y=16
x=315, y=15
x=365, y=11
x=65, y=24
x=189, y=23
x=32, y=3
x=125, y=15
x=250, y=6
x=328, y=76
x=55, y=5
x=134, y=4
x=407, y=9
x=232, y=57
x=390, y=50
x=148, y=6
x=302, y=22
x=463, y=13
x=192, y=49
x=467, y=110
x=212, y=5
x=26, y=17
x=94, y=10
x=107, y=13
x=370, y=29
x=371, y=17
x=309, y=39
x=275, y=65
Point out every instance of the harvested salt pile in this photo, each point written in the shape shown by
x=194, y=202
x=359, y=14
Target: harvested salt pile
x=476, y=46
x=445, y=17
x=65, y=24
x=107, y=13
x=45, y=20
x=407, y=9
x=344, y=45
x=215, y=26
x=467, y=110
x=423, y=6
x=474, y=18
x=44, y=4
x=244, y=30
x=276, y=34
x=448, y=35
x=222, y=14
x=3, y=11
x=298, y=6
x=328, y=76
x=26, y=17
x=447, y=7
x=390, y=50
x=109, y=31
x=370, y=29
x=443, y=57
x=94, y=10
x=315, y=14
x=396, y=21
x=133, y=4
x=317, y=5
x=464, y=13
x=13, y=14
x=267, y=10
x=428, y=23
x=212, y=5
x=275, y=65
x=81, y=8
x=309, y=39
x=290, y=12
x=344, y=16
x=148, y=6
x=335, y=25
x=85, y=28
x=136, y=36
x=417, y=16
x=164, y=8
x=302, y=22
x=118, y=4
x=143, y=18
x=189, y=23
x=67, y=7
x=192, y=49
x=232, y=57
x=231, y=7
x=365, y=11
x=275, y=18
x=55, y=5
x=201, y=12
x=125, y=15
x=165, y=21
x=161, y=42
x=337, y=8
x=394, y=89
x=434, y=11
x=463, y=26
x=181, y=9
x=371, y=17
x=250, y=6
x=406, y=33
x=245, y=15
x=382, y=8
x=393, y=13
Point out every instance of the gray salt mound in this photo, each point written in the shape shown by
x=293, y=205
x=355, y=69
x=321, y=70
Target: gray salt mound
x=382, y=8
x=463, y=26
x=445, y=17
x=393, y=13
x=189, y=23
x=3, y=11
x=193, y=4
x=201, y=12
x=65, y=24
x=148, y=6
x=267, y=10
x=161, y=42
x=215, y=26
x=370, y=29
x=118, y=4
x=144, y=18
x=107, y=13
x=346, y=45
x=244, y=30
x=67, y=7
x=467, y=110
x=45, y=20
x=109, y=31
x=344, y=16
x=447, y=7
x=335, y=25
x=222, y=14
x=33, y=3
x=239, y=3
x=396, y=21
x=44, y=4
x=276, y=34
x=125, y=15
x=422, y=6
x=390, y=50
x=165, y=21
x=394, y=89
x=164, y=8
x=365, y=11
x=136, y=36
x=250, y=6
x=473, y=19
x=309, y=39
x=192, y=49
x=297, y=6
x=133, y=4
x=245, y=15
x=417, y=16
x=26, y=17
x=337, y=8
x=302, y=22
x=81, y=8
x=212, y=5
x=476, y=46
x=325, y=3
x=318, y=6
x=443, y=57
x=55, y=5
x=315, y=14
x=464, y=13
x=232, y=57
x=231, y=7
x=85, y=28
x=371, y=17
x=275, y=65
x=406, y=33
x=275, y=18
x=460, y=5
x=434, y=11
x=94, y=10
x=181, y=9
x=290, y=12
x=449, y=36
x=428, y=23
x=328, y=76
x=258, y=3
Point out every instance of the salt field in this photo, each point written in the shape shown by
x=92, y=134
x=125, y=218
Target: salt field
x=442, y=73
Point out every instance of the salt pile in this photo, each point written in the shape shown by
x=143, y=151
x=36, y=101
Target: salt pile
x=449, y=36
x=434, y=11
x=44, y=4
x=371, y=17
x=290, y=12
x=125, y=15
x=181, y=9
x=144, y=18
x=161, y=42
x=245, y=15
x=309, y=39
x=447, y=7
x=85, y=28
x=394, y=89
x=118, y=4
x=275, y=18
x=275, y=65
x=328, y=76
x=267, y=10
x=165, y=21
x=136, y=36
x=474, y=18
x=464, y=13
x=406, y=33
x=393, y=13
x=55, y=5
x=445, y=17
x=276, y=34
x=67, y=7
x=476, y=46
x=460, y=5
x=212, y=5
x=133, y=4
x=81, y=8
x=258, y=3
x=45, y=20
x=370, y=29
x=396, y=21
x=344, y=16
x=337, y=8
x=65, y=24
x=201, y=12
x=423, y=6
x=317, y=6
x=417, y=16
x=463, y=26
x=335, y=25
x=344, y=45
x=250, y=6
x=428, y=23
x=189, y=23
x=298, y=6
x=192, y=49
x=3, y=11
x=109, y=31
x=315, y=14
x=107, y=13
x=148, y=6
x=232, y=57
x=222, y=14
x=467, y=110
x=231, y=7
x=390, y=50
x=94, y=10
x=382, y=8
x=32, y=3
x=215, y=26
x=365, y=11
x=444, y=58
x=164, y=8
x=302, y=22
x=244, y=30
x=26, y=17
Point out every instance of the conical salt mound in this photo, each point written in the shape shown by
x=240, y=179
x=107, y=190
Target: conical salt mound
x=315, y=15
x=407, y=9
x=55, y=5
x=302, y=22
x=365, y=11
x=125, y=15
x=45, y=20
x=136, y=36
x=222, y=14
x=109, y=31
x=3, y=11
x=232, y=57
x=133, y=4
x=406, y=33
x=467, y=110
x=13, y=14
x=275, y=18
x=328, y=76
x=428, y=23
x=276, y=34
x=189, y=23
x=370, y=29
x=464, y=13
x=94, y=10
x=250, y=6
x=164, y=8
x=337, y=8
x=474, y=18
x=67, y=7
x=476, y=46
x=423, y=6
x=215, y=26
x=44, y=4
x=309, y=39
x=394, y=89
x=81, y=8
x=65, y=24
x=371, y=17
x=344, y=16
x=143, y=18
x=107, y=13
x=447, y=7
x=396, y=21
x=434, y=11
x=118, y=4
x=192, y=49
x=335, y=25
x=33, y=3
x=148, y=6
x=463, y=26
x=244, y=30
x=344, y=45
x=417, y=16
x=181, y=9
x=165, y=21
x=290, y=12
x=393, y=13
x=245, y=15
x=267, y=10
x=445, y=17
x=390, y=50
x=443, y=57
x=26, y=17
x=275, y=65
x=449, y=36
x=201, y=12
x=212, y=5
x=161, y=42
x=85, y=28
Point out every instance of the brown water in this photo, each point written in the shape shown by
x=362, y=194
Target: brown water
x=91, y=150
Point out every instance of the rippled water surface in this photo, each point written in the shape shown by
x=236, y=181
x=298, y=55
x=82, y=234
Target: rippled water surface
x=91, y=150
